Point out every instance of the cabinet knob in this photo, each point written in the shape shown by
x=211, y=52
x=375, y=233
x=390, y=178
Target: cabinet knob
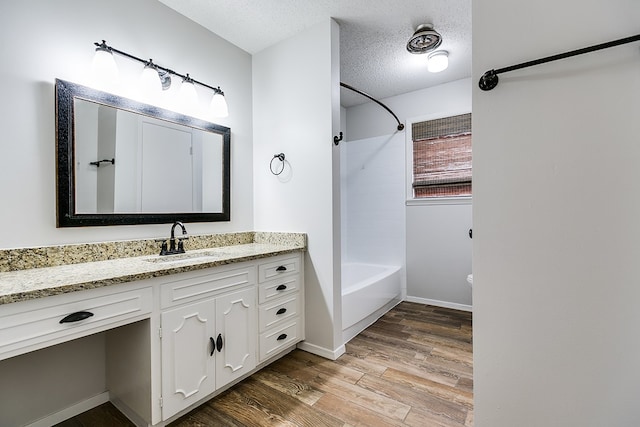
x=281, y=311
x=76, y=317
x=281, y=268
x=213, y=345
x=281, y=337
x=281, y=288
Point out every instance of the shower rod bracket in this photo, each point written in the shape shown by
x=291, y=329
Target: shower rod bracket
x=337, y=139
x=489, y=80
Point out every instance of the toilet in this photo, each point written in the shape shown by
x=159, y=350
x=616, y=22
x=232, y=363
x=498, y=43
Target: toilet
x=470, y=279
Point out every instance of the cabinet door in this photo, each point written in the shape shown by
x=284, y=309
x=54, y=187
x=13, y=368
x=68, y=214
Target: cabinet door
x=236, y=326
x=188, y=358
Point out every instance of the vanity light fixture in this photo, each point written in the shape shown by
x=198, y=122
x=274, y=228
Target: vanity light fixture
x=106, y=69
x=188, y=94
x=150, y=79
x=104, y=66
x=438, y=61
x=218, y=105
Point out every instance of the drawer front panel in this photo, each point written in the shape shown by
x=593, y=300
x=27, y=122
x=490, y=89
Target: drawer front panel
x=203, y=286
x=279, y=311
x=282, y=267
x=278, y=288
x=42, y=324
x=276, y=340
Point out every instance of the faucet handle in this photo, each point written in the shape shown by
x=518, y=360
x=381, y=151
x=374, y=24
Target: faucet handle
x=163, y=248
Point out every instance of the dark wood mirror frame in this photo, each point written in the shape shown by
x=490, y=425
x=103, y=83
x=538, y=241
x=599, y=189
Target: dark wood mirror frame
x=66, y=92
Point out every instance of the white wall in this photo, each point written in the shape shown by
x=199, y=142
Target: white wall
x=374, y=204
x=438, y=250
x=296, y=111
x=45, y=40
x=556, y=208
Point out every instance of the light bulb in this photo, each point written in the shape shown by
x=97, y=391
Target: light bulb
x=218, y=105
x=438, y=61
x=104, y=66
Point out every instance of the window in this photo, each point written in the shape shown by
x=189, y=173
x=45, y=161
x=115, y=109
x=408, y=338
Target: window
x=442, y=157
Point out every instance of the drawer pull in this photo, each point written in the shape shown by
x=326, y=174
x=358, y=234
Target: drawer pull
x=281, y=311
x=213, y=345
x=281, y=288
x=281, y=337
x=281, y=268
x=76, y=317
x=219, y=342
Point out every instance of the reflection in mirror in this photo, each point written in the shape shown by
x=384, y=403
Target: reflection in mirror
x=122, y=162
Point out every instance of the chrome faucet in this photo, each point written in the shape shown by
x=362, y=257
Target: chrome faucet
x=172, y=241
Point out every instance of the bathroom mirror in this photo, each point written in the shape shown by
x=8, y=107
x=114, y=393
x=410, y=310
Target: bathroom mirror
x=123, y=162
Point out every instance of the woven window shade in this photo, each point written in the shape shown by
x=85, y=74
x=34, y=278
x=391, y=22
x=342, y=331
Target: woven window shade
x=442, y=157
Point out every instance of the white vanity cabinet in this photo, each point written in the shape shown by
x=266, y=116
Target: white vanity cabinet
x=172, y=341
x=208, y=343
x=280, y=304
x=39, y=323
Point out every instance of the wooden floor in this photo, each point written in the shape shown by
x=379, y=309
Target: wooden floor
x=413, y=367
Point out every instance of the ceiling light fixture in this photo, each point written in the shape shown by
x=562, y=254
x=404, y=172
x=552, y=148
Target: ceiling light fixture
x=424, y=39
x=106, y=69
x=438, y=61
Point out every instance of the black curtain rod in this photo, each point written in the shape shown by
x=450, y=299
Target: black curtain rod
x=489, y=80
x=400, y=125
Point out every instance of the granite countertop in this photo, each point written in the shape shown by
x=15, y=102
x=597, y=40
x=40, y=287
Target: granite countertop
x=22, y=285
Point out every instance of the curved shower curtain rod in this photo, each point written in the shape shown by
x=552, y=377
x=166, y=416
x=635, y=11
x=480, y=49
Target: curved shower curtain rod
x=400, y=125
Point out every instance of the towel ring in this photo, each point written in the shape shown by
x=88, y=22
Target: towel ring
x=279, y=157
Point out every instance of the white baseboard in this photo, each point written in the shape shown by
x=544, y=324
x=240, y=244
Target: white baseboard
x=129, y=413
x=321, y=351
x=71, y=411
x=445, y=304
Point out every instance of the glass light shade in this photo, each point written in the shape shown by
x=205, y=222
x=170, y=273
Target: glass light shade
x=188, y=97
x=438, y=61
x=104, y=66
x=150, y=84
x=218, y=105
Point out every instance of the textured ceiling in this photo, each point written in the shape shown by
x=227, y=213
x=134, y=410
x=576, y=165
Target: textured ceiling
x=373, y=36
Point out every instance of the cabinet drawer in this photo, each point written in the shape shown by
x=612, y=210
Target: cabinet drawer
x=278, y=339
x=281, y=267
x=279, y=311
x=39, y=323
x=195, y=287
x=278, y=288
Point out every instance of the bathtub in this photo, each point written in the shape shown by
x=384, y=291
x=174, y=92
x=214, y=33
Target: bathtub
x=368, y=291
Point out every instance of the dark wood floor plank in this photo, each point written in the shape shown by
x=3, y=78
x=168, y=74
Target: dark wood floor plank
x=412, y=368
x=206, y=416
x=344, y=390
x=354, y=414
x=424, y=386
x=105, y=415
x=289, y=386
x=256, y=404
x=415, y=397
x=360, y=364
